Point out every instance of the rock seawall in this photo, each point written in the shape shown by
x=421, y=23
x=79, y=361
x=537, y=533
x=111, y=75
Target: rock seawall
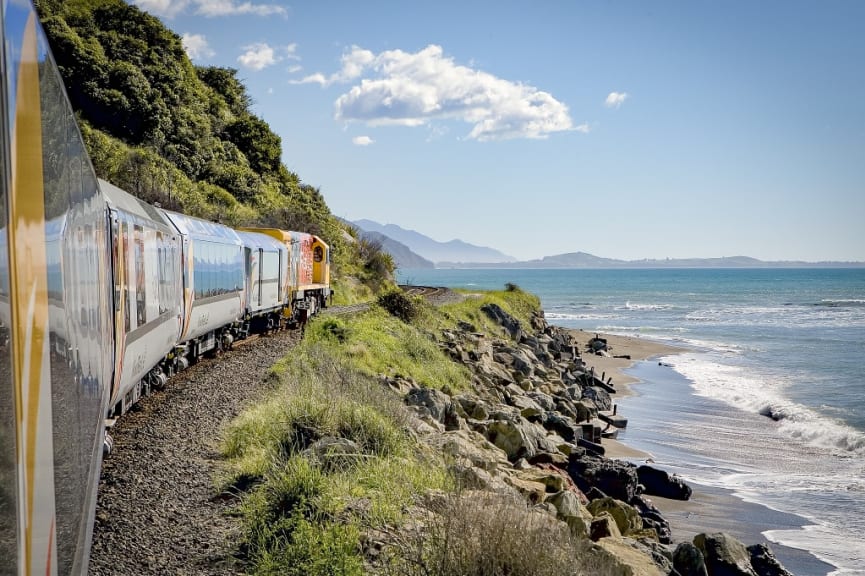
x=534, y=425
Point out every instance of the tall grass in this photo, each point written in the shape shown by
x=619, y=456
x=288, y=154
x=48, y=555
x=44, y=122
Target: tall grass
x=329, y=457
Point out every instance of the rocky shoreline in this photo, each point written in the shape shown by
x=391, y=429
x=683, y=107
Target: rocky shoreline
x=536, y=424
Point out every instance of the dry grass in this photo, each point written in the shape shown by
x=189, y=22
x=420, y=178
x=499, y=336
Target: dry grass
x=487, y=534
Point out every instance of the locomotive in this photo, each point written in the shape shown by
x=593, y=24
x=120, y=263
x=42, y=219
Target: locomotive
x=102, y=298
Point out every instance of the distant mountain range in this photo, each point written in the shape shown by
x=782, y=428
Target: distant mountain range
x=412, y=249
x=454, y=251
x=584, y=260
x=402, y=254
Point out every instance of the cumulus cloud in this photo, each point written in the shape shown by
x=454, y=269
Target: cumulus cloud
x=584, y=128
x=209, y=8
x=615, y=99
x=196, y=46
x=260, y=55
x=362, y=141
x=416, y=89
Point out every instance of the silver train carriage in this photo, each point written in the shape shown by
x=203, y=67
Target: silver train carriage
x=56, y=348
x=102, y=297
x=148, y=297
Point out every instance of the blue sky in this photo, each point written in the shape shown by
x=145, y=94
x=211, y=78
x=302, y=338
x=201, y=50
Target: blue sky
x=625, y=129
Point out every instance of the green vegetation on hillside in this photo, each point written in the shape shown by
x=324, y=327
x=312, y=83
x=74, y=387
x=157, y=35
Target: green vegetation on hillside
x=185, y=136
x=332, y=458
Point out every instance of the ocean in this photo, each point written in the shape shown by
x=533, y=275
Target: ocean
x=768, y=398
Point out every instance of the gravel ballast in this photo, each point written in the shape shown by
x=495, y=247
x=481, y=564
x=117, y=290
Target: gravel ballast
x=158, y=511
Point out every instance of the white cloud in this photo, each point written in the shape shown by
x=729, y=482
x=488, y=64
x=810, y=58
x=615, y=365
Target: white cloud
x=416, y=89
x=615, y=99
x=261, y=55
x=362, y=141
x=196, y=46
x=353, y=64
x=584, y=128
x=258, y=56
x=209, y=8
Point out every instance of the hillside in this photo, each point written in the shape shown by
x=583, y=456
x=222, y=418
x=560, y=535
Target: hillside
x=175, y=134
x=451, y=251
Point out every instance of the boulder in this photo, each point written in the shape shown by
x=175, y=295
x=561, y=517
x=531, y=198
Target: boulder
x=652, y=518
x=620, y=559
x=612, y=477
x=627, y=518
x=598, y=396
x=660, y=483
x=528, y=408
x=764, y=563
x=498, y=315
x=724, y=555
x=516, y=436
x=561, y=425
x=334, y=453
x=436, y=402
x=470, y=448
x=688, y=560
x=572, y=512
x=604, y=526
x=532, y=491
x=660, y=554
x=472, y=407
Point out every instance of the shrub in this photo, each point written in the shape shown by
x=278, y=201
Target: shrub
x=487, y=534
x=398, y=304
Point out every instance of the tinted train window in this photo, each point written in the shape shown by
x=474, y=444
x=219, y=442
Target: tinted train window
x=140, y=291
x=217, y=269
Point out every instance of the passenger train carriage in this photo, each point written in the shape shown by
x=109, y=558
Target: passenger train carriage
x=102, y=298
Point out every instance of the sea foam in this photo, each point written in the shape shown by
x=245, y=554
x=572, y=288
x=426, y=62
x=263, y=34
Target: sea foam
x=759, y=394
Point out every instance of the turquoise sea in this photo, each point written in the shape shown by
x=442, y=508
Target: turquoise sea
x=785, y=342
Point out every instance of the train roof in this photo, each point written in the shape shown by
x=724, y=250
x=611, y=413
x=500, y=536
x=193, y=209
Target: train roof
x=121, y=200
x=258, y=240
x=199, y=229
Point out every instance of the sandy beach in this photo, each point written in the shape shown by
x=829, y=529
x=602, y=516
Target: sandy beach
x=638, y=349
x=710, y=509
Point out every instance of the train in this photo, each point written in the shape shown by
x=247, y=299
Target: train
x=103, y=297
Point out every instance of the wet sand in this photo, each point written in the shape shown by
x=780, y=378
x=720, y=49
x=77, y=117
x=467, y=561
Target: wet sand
x=710, y=509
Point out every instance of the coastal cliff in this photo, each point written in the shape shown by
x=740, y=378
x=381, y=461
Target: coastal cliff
x=467, y=437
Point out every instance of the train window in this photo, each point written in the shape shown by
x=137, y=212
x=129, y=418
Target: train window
x=124, y=236
x=140, y=289
x=161, y=257
x=318, y=254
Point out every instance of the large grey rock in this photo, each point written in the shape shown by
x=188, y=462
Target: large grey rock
x=660, y=483
x=518, y=437
x=612, y=477
x=599, y=396
x=498, y=315
x=652, y=518
x=562, y=425
x=764, y=563
x=436, y=402
x=688, y=560
x=724, y=555
x=627, y=518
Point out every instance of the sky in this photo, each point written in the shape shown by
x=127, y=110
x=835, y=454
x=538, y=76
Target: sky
x=633, y=129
